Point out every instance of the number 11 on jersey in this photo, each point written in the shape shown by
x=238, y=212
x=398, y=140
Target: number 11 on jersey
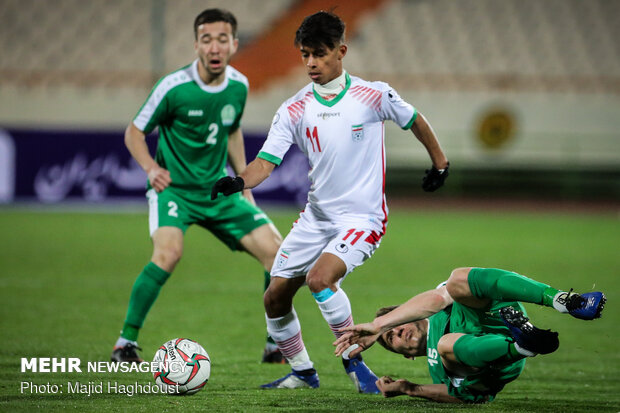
x=314, y=137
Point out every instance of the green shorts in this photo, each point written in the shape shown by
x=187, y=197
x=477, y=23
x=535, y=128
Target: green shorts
x=229, y=218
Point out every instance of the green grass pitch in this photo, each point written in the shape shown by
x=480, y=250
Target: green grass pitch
x=66, y=279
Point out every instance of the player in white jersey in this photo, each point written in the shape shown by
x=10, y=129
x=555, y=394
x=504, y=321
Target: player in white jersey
x=337, y=121
x=341, y=137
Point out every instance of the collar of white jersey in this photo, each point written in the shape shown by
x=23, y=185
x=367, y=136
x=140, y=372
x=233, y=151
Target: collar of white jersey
x=335, y=100
x=203, y=85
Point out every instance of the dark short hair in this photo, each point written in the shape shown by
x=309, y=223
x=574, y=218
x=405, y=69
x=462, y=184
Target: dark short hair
x=215, y=15
x=321, y=28
x=380, y=340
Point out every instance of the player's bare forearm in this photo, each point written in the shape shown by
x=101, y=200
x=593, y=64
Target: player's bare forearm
x=135, y=140
x=256, y=172
x=425, y=134
x=236, y=151
x=436, y=392
x=418, y=307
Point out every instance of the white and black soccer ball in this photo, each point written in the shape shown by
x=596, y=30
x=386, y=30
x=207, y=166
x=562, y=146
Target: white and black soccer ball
x=183, y=366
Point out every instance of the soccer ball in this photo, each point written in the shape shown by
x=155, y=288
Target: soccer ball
x=183, y=366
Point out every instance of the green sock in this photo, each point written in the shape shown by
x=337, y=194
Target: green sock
x=143, y=295
x=548, y=296
x=480, y=351
x=505, y=285
x=267, y=280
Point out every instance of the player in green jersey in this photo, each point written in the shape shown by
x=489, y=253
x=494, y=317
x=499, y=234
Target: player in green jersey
x=198, y=111
x=473, y=330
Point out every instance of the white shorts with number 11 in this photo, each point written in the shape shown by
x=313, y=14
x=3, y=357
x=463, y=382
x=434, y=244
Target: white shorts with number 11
x=309, y=238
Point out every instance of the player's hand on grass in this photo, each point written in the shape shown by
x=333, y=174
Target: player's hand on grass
x=392, y=388
x=363, y=335
x=434, y=178
x=159, y=177
x=227, y=186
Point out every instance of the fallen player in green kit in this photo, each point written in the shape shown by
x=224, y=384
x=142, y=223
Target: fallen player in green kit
x=473, y=330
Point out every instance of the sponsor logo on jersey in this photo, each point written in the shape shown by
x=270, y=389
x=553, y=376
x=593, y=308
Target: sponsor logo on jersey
x=260, y=216
x=327, y=115
x=228, y=115
x=282, y=258
x=357, y=132
x=195, y=112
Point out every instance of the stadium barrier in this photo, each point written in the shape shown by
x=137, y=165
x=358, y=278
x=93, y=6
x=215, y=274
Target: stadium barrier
x=54, y=166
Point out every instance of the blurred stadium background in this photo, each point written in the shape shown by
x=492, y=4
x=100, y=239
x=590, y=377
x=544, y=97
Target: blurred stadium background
x=523, y=94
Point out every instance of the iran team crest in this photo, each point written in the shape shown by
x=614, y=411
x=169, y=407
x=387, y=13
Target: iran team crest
x=282, y=258
x=357, y=132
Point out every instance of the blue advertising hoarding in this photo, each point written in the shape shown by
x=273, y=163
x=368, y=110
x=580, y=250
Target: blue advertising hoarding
x=53, y=166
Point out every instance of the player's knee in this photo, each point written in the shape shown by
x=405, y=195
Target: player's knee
x=316, y=283
x=167, y=258
x=445, y=346
x=457, y=284
x=268, y=301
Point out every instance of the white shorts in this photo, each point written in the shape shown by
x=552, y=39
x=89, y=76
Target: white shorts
x=310, y=238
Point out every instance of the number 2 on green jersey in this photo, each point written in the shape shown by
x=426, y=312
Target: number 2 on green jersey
x=213, y=129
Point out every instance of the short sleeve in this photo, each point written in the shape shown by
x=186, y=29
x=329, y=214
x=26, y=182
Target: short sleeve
x=242, y=101
x=154, y=111
x=394, y=108
x=279, y=139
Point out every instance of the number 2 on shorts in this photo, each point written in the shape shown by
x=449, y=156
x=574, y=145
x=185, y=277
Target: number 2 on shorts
x=173, y=209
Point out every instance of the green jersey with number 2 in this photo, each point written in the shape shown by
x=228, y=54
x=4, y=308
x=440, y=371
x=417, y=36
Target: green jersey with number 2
x=194, y=121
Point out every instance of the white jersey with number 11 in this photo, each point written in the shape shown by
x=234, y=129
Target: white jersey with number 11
x=343, y=139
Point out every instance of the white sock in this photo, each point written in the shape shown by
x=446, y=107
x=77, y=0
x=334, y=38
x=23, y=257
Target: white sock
x=336, y=311
x=286, y=332
x=122, y=342
x=560, y=306
x=523, y=351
